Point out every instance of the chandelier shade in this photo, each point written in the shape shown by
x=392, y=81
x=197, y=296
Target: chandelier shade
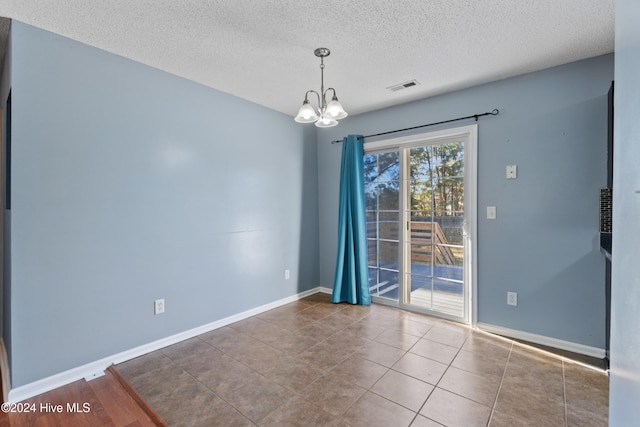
x=326, y=114
x=335, y=110
x=306, y=114
x=326, y=122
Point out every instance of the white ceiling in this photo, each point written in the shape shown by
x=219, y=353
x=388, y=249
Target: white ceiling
x=262, y=50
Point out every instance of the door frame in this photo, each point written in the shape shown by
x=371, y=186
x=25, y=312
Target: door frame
x=470, y=133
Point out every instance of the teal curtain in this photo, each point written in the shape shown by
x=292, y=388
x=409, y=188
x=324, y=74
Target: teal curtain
x=351, y=283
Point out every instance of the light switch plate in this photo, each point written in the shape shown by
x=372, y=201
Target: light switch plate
x=491, y=212
x=512, y=171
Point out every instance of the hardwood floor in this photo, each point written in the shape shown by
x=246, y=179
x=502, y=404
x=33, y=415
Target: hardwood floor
x=104, y=401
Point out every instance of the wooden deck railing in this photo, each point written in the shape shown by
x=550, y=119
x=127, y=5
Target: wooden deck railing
x=428, y=235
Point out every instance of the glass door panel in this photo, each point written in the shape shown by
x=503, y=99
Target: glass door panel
x=434, y=245
x=382, y=205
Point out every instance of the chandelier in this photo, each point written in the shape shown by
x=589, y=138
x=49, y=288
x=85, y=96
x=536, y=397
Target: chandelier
x=327, y=114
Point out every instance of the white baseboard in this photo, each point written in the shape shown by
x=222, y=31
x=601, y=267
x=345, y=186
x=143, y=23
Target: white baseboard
x=96, y=368
x=586, y=350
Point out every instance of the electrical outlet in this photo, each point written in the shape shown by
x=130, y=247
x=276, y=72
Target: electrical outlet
x=287, y=275
x=158, y=306
x=512, y=298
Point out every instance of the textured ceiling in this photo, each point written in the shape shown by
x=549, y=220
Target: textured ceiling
x=262, y=50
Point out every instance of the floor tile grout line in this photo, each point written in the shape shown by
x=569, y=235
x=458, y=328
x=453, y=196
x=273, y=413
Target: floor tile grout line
x=212, y=391
x=293, y=332
x=504, y=374
x=435, y=386
x=252, y=369
x=390, y=368
x=369, y=390
x=334, y=367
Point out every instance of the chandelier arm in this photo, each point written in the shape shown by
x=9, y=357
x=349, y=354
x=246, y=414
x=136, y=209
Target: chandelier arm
x=317, y=95
x=324, y=95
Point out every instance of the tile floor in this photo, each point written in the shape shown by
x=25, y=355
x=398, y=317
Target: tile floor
x=313, y=363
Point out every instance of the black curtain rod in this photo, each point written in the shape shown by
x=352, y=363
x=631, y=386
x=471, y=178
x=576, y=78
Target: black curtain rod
x=495, y=112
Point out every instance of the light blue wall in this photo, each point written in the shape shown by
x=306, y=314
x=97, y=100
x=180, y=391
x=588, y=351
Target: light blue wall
x=625, y=279
x=544, y=244
x=131, y=184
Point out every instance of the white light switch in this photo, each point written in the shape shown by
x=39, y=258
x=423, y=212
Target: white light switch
x=491, y=212
x=512, y=172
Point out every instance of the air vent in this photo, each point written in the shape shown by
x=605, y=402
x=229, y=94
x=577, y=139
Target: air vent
x=606, y=209
x=404, y=85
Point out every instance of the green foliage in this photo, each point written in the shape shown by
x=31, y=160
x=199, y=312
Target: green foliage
x=436, y=180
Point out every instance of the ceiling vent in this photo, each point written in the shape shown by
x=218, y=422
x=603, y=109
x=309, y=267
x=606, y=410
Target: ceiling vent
x=405, y=85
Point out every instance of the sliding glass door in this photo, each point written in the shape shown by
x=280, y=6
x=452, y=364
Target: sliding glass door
x=419, y=208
